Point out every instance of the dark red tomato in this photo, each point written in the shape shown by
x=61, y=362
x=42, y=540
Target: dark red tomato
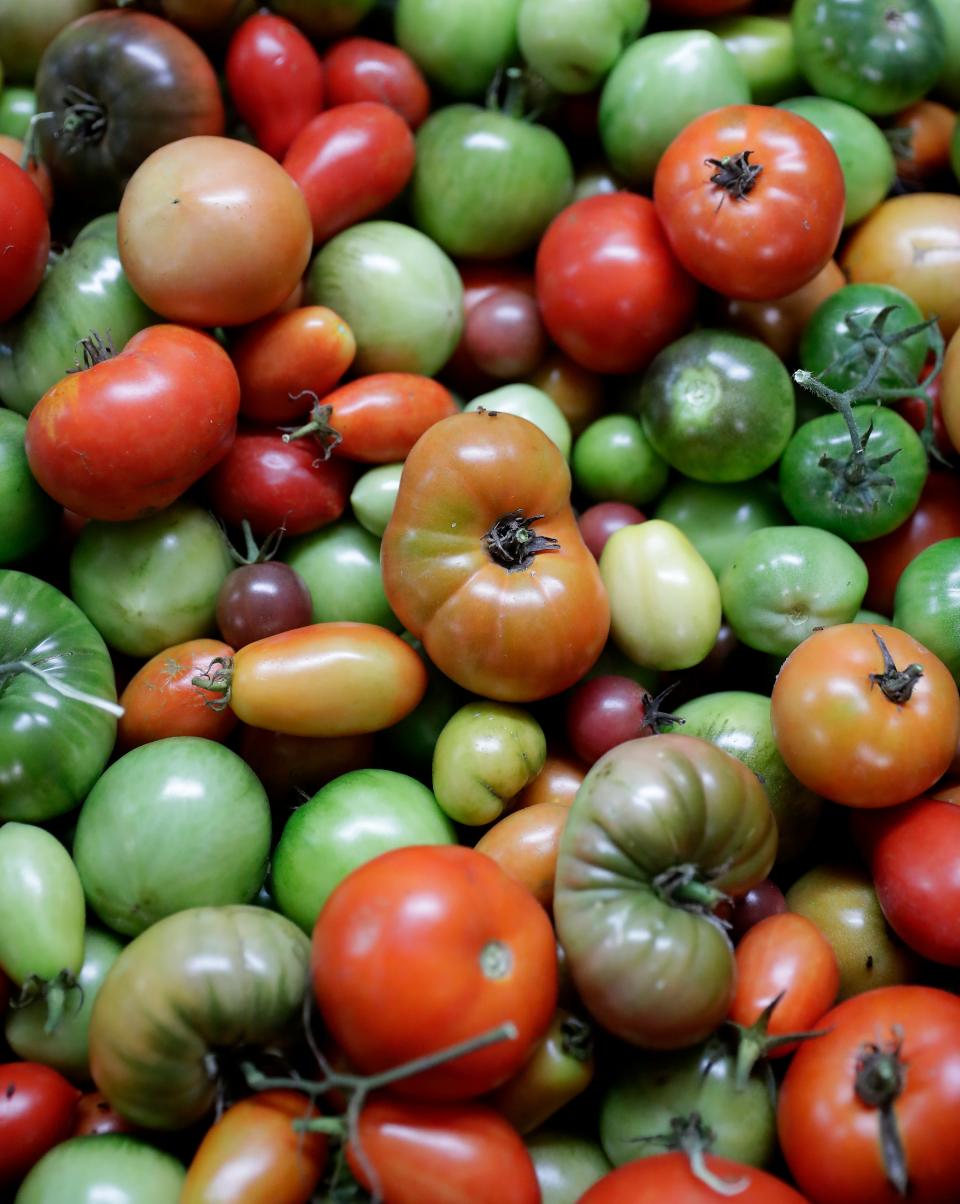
x=599, y=522
x=509, y=328
x=936, y=517
x=127, y=436
x=274, y=484
x=275, y=78
x=752, y=199
x=441, y=1154
x=36, y=1113
x=605, y=711
x=349, y=162
x=763, y=900
x=94, y=1115
x=24, y=236
x=668, y=1179
x=292, y=768
x=365, y=69
x=160, y=699
x=257, y=600
x=612, y=294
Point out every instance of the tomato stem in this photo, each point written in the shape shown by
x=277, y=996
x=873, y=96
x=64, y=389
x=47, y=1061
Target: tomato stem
x=84, y=118
x=512, y=543
x=692, y=1137
x=255, y=553
x=754, y=1042
x=576, y=1039
x=95, y=349
x=735, y=174
x=896, y=684
x=654, y=717
x=55, y=991
x=61, y=687
x=680, y=886
x=318, y=426
x=880, y=1078
x=217, y=678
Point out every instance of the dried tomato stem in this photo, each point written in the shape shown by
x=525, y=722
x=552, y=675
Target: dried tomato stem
x=897, y=684
x=318, y=426
x=512, y=543
x=880, y=1078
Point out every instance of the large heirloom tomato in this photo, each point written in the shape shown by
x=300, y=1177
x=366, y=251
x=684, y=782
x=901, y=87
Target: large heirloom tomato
x=752, y=200
x=507, y=609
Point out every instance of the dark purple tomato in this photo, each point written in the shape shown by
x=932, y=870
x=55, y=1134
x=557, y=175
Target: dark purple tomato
x=605, y=711
x=292, y=768
x=257, y=600
x=764, y=899
x=504, y=336
x=599, y=522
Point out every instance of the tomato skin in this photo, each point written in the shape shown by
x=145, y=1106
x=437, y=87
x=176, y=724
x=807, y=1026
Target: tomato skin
x=560, y=1067
x=525, y=844
x=668, y=1177
x=350, y=162
x=386, y=928
x=366, y=69
x=930, y=127
x=36, y=1113
x=94, y=1115
x=611, y=292
x=160, y=701
x=25, y=235
x=950, y=391
x=12, y=148
x=275, y=78
x=771, y=242
x=557, y=782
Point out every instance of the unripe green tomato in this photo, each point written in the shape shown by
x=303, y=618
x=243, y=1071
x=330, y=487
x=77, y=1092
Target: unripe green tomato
x=574, y=43
x=527, y=401
x=613, y=461
x=374, y=495
x=763, y=46
x=340, y=564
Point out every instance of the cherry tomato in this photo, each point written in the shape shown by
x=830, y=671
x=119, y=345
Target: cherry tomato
x=365, y=69
x=24, y=235
x=599, y=522
x=36, y=1113
x=160, y=699
x=507, y=334
x=607, y=710
x=763, y=900
x=525, y=844
x=95, y=1115
x=261, y=599
x=557, y=782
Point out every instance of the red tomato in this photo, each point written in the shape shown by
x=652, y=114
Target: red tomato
x=127, y=436
x=160, y=699
x=598, y=523
x=94, y=1114
x=36, y=1113
x=441, y=1154
x=349, y=163
x=950, y=391
x=35, y=169
x=894, y=1049
x=24, y=237
x=611, y=292
x=604, y=711
x=384, y=932
x=928, y=126
x=752, y=200
x=668, y=1179
x=275, y=78
x=274, y=484
x=365, y=69
x=763, y=900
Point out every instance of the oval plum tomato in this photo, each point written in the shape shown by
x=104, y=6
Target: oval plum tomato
x=599, y=522
x=127, y=436
x=383, y=933
x=752, y=200
x=24, y=235
x=36, y=1113
x=160, y=699
x=525, y=844
x=365, y=69
x=275, y=78
x=611, y=292
x=272, y=483
x=349, y=163
x=866, y=716
x=283, y=358
x=94, y=1114
x=669, y=1177
x=213, y=231
x=867, y=1113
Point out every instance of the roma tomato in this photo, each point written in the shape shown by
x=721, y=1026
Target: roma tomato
x=26, y=238
x=365, y=69
x=525, y=844
x=382, y=934
x=36, y=1113
x=670, y=1177
x=774, y=213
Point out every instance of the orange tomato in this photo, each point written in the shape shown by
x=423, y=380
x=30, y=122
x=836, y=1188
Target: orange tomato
x=557, y=782
x=950, y=391
x=929, y=127
x=525, y=843
x=160, y=700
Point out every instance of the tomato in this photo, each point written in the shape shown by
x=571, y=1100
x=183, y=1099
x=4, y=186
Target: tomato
x=669, y=1177
x=381, y=935
x=559, y=1069
x=525, y=401
x=471, y=490
x=213, y=231
x=574, y=45
x=26, y=238
x=341, y=567
x=503, y=335
x=597, y=523
x=374, y=495
x=764, y=48
x=885, y=1075
x=13, y=149
x=613, y=460
x=756, y=234
x=610, y=290
x=925, y=604
x=275, y=79
x=525, y=844
x=324, y=20
x=950, y=391
x=253, y=1155
x=763, y=900
x=292, y=768
x=30, y=515
x=365, y=69
x=578, y=394
x=112, y=1166
x=926, y=128
x=557, y=782
x=458, y=46
x=94, y=1116
x=36, y=1113
x=606, y=710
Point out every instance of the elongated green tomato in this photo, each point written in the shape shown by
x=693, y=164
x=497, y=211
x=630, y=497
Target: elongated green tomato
x=372, y=498
x=41, y=915
x=567, y=1164
x=106, y=1167
x=67, y=1048
x=340, y=565
x=459, y=46
x=664, y=600
x=764, y=48
x=29, y=515
x=614, y=461
x=484, y=756
x=531, y=403
x=927, y=601
x=205, y=981
x=574, y=43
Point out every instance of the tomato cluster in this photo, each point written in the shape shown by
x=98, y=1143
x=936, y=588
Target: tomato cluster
x=479, y=601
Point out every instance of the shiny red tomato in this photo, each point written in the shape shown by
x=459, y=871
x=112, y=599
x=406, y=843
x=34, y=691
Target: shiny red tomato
x=668, y=1179
x=160, y=699
x=36, y=1113
x=752, y=200
x=95, y=1114
x=24, y=236
x=365, y=69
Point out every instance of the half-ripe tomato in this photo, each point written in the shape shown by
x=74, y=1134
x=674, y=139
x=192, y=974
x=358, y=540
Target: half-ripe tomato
x=36, y=1113
x=752, y=200
x=525, y=844
x=950, y=391
x=557, y=782
x=867, y=1113
x=366, y=69
x=131, y=433
x=384, y=932
x=865, y=715
x=160, y=699
x=24, y=236
x=926, y=129
x=669, y=1178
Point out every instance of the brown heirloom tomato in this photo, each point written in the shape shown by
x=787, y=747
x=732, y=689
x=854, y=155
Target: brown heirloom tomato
x=508, y=609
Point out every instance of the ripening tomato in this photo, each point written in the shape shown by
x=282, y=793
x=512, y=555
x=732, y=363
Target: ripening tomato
x=950, y=391
x=752, y=200
x=160, y=699
x=36, y=1113
x=525, y=844
x=24, y=235
x=94, y=1114
x=365, y=69
x=557, y=782
x=926, y=128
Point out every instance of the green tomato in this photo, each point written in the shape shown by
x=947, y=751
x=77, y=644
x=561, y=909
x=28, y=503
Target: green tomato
x=526, y=401
x=784, y=582
x=67, y=1048
x=871, y=618
x=927, y=601
x=351, y=820
x=485, y=755
x=567, y=1165
x=664, y=600
x=151, y=583
x=574, y=43
x=739, y=723
x=105, y=1169
x=595, y=179
x=819, y=483
x=26, y=29
x=763, y=46
x=613, y=461
x=29, y=515
x=177, y=823
x=717, y=406
x=948, y=85
x=866, y=159
x=691, y=67
x=374, y=496
x=17, y=106
x=340, y=565
x=397, y=290
x=459, y=46
x=486, y=185
x=717, y=518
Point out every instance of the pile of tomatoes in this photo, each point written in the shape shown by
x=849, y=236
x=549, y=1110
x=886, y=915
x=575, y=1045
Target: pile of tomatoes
x=479, y=601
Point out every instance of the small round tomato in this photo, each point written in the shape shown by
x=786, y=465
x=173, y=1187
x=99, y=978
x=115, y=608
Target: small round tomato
x=24, y=235
x=599, y=522
x=606, y=710
x=95, y=1115
x=160, y=699
x=525, y=844
x=366, y=69
x=261, y=598
x=557, y=782
x=36, y=1113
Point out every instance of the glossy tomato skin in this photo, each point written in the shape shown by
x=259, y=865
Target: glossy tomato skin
x=773, y=240
x=597, y=523
x=262, y=599
x=525, y=844
x=366, y=69
x=668, y=1177
x=275, y=78
x=94, y=1116
x=382, y=934
x=160, y=699
x=950, y=391
x=25, y=234
x=36, y=1113
x=611, y=292
x=831, y=1139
